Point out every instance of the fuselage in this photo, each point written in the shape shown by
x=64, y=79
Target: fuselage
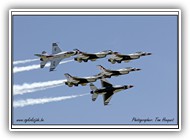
x=92, y=56
x=108, y=73
x=83, y=81
x=60, y=55
x=113, y=89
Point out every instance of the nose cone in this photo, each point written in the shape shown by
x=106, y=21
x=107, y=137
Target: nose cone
x=149, y=53
x=130, y=86
x=135, y=69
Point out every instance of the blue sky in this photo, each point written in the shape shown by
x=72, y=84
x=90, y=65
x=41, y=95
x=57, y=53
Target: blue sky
x=155, y=86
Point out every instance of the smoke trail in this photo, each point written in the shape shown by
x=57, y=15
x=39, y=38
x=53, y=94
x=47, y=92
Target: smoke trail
x=27, y=102
x=32, y=67
x=24, y=61
x=37, y=86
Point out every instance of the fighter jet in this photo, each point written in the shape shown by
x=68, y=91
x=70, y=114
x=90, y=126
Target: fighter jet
x=107, y=90
x=83, y=56
x=117, y=57
x=54, y=58
x=73, y=80
x=107, y=73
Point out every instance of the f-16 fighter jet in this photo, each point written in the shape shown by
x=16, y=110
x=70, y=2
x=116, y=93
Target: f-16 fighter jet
x=72, y=80
x=107, y=73
x=117, y=57
x=54, y=58
x=83, y=56
x=107, y=90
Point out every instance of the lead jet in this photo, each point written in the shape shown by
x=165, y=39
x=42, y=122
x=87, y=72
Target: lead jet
x=83, y=56
x=107, y=90
x=117, y=57
x=107, y=73
x=73, y=80
x=54, y=58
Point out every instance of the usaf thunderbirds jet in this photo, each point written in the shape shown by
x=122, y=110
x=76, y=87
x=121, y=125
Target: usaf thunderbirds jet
x=72, y=80
x=107, y=90
x=116, y=57
x=55, y=58
x=106, y=73
x=83, y=56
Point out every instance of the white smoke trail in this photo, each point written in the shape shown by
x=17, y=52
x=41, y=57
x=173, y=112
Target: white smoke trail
x=32, y=67
x=27, y=102
x=37, y=86
x=24, y=61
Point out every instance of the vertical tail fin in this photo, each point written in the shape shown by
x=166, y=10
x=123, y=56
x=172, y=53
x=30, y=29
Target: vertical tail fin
x=55, y=48
x=78, y=51
x=68, y=77
x=101, y=68
x=93, y=88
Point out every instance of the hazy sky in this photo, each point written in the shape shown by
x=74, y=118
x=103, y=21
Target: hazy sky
x=155, y=87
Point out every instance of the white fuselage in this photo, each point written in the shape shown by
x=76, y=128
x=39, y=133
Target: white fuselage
x=121, y=71
x=60, y=55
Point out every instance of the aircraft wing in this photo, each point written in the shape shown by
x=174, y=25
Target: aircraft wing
x=54, y=64
x=55, y=48
x=107, y=97
x=105, y=83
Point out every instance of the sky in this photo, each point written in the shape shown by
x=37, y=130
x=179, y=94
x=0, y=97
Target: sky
x=38, y=93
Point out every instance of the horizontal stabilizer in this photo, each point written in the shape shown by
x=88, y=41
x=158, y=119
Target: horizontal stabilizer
x=94, y=96
x=42, y=64
x=39, y=55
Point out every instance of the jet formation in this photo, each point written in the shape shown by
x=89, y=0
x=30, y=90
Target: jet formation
x=107, y=90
